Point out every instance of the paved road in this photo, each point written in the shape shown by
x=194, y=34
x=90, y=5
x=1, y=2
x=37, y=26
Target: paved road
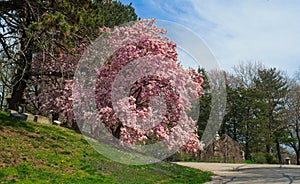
x=250, y=173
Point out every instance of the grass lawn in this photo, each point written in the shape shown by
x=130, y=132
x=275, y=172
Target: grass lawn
x=35, y=153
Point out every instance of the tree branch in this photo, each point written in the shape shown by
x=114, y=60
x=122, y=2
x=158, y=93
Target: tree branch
x=5, y=47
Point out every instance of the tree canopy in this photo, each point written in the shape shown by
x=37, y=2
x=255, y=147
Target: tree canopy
x=50, y=28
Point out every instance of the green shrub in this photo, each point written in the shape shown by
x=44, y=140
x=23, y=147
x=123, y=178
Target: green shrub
x=259, y=158
x=264, y=158
x=271, y=159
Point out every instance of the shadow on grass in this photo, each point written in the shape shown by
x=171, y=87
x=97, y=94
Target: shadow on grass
x=5, y=120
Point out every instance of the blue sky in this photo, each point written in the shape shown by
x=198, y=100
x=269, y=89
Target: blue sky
x=236, y=31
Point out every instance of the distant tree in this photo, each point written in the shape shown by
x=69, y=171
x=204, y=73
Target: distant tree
x=273, y=85
x=240, y=121
x=244, y=118
x=245, y=73
x=254, y=108
x=216, y=100
x=234, y=114
x=292, y=115
x=204, y=103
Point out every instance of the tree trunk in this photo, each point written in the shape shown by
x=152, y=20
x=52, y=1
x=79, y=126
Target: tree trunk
x=21, y=79
x=75, y=127
x=2, y=97
x=247, y=152
x=22, y=75
x=55, y=116
x=297, y=146
x=298, y=157
x=17, y=94
x=269, y=130
x=278, y=152
x=268, y=148
x=297, y=150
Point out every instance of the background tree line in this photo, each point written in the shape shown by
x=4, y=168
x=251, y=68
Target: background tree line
x=262, y=111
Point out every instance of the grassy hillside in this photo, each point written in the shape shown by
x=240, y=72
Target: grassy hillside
x=35, y=153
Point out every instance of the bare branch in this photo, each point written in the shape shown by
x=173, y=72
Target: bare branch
x=5, y=46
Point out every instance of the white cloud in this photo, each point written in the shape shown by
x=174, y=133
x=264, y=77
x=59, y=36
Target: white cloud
x=263, y=30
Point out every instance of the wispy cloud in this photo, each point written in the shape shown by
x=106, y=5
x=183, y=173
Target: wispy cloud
x=260, y=30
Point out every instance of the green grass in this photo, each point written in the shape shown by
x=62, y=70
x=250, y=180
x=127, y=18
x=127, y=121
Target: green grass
x=36, y=153
x=248, y=162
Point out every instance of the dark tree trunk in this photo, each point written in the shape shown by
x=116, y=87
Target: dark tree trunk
x=269, y=134
x=278, y=152
x=268, y=148
x=75, y=127
x=23, y=66
x=2, y=97
x=55, y=116
x=117, y=131
x=17, y=94
x=247, y=152
x=297, y=146
x=21, y=78
x=298, y=157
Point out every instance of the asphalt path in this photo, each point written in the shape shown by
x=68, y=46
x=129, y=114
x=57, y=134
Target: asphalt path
x=248, y=173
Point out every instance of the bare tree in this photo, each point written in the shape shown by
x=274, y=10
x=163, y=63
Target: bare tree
x=245, y=72
x=292, y=115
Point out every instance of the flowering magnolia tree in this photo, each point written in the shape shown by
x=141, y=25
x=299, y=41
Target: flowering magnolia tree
x=141, y=93
x=52, y=83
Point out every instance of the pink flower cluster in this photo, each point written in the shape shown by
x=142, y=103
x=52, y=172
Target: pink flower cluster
x=52, y=82
x=150, y=107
